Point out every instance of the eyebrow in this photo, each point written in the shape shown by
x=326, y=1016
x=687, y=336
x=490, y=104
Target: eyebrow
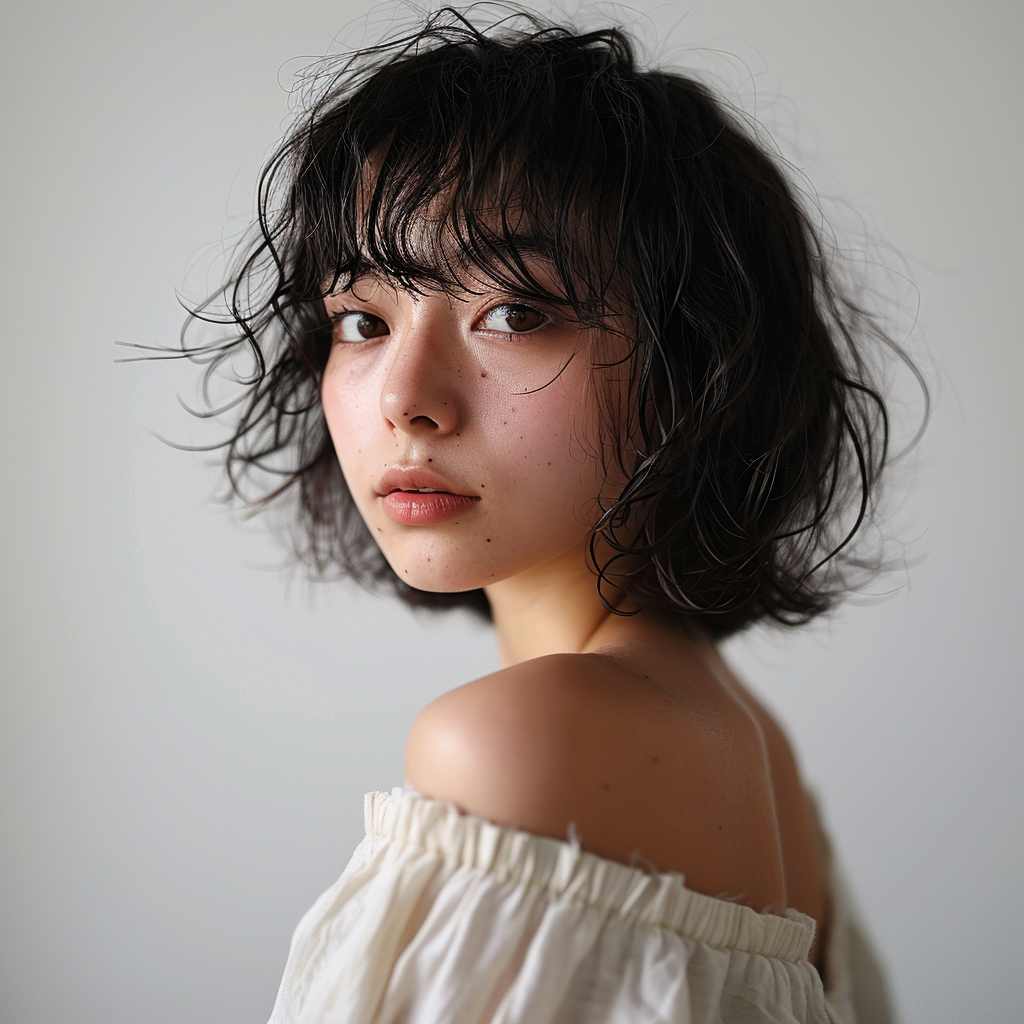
x=517, y=248
x=512, y=249
x=523, y=245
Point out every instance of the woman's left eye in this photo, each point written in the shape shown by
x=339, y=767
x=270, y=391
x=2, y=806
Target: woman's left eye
x=514, y=318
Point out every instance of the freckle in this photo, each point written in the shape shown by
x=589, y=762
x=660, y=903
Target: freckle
x=607, y=786
x=379, y=530
x=549, y=463
x=654, y=759
x=719, y=828
x=457, y=434
x=406, y=572
x=483, y=374
x=483, y=485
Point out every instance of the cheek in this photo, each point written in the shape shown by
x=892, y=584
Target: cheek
x=560, y=436
x=351, y=412
x=547, y=446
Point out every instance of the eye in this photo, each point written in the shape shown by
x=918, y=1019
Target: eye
x=514, y=318
x=354, y=325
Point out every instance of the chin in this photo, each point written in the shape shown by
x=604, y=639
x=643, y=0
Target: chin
x=443, y=572
x=441, y=581
x=452, y=565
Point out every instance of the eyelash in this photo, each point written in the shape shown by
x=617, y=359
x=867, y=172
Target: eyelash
x=335, y=318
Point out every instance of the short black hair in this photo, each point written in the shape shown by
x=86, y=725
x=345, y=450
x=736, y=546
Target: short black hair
x=761, y=436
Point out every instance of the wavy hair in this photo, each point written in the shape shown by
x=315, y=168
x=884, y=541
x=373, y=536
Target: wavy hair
x=758, y=435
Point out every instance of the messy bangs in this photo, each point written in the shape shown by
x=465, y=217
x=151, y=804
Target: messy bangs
x=465, y=165
x=458, y=156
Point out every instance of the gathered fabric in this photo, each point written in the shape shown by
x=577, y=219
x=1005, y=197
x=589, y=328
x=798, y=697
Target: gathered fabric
x=446, y=918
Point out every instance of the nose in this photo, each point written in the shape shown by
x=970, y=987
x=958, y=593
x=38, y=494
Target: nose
x=420, y=395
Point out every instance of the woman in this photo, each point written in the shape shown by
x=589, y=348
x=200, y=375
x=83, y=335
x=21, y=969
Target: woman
x=547, y=334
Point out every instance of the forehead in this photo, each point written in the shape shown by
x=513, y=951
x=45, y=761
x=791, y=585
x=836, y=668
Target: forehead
x=433, y=254
x=463, y=233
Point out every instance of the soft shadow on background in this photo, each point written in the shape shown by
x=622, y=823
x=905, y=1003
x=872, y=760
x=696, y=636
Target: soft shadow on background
x=185, y=737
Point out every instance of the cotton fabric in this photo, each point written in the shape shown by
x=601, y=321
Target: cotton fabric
x=446, y=918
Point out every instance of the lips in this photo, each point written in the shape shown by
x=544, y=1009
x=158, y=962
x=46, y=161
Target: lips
x=421, y=497
x=418, y=478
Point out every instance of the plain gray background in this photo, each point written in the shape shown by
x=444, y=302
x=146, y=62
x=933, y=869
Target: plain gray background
x=186, y=735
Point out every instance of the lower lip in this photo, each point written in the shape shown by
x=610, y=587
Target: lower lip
x=413, y=509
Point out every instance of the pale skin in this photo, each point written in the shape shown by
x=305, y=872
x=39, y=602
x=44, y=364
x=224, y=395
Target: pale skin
x=629, y=730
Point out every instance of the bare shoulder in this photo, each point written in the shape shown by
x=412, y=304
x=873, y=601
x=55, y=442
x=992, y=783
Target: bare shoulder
x=588, y=743
x=507, y=746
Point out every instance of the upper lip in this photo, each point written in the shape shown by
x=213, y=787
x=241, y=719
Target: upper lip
x=416, y=478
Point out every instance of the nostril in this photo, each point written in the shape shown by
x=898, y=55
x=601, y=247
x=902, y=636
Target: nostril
x=424, y=421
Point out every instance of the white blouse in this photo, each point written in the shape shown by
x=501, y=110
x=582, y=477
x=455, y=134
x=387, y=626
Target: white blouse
x=446, y=918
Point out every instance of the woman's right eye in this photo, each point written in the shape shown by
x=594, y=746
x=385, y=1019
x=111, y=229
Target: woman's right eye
x=353, y=325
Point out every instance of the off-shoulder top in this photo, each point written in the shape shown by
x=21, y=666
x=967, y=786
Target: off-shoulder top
x=446, y=918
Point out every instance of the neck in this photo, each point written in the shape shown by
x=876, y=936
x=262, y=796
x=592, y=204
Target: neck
x=552, y=608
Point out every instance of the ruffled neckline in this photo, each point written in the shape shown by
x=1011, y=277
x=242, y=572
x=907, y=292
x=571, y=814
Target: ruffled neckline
x=659, y=900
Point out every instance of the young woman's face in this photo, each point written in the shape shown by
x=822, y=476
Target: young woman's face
x=467, y=429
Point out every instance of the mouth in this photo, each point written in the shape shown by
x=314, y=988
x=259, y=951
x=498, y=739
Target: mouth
x=419, y=480
x=422, y=497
